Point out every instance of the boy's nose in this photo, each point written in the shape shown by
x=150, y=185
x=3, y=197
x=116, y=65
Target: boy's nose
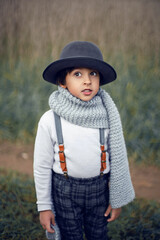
x=87, y=79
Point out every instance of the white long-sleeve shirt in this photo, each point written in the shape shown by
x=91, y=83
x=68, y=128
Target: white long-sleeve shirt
x=82, y=151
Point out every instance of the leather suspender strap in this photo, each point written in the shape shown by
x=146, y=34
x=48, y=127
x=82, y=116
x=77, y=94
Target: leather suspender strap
x=61, y=146
x=60, y=143
x=103, y=151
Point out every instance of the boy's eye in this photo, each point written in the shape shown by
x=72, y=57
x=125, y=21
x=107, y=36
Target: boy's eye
x=93, y=73
x=77, y=74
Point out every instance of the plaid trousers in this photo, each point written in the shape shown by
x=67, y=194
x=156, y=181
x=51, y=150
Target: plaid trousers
x=80, y=205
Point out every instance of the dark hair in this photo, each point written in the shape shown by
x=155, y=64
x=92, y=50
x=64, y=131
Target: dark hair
x=61, y=76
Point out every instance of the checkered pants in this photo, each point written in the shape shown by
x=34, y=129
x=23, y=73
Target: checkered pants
x=80, y=205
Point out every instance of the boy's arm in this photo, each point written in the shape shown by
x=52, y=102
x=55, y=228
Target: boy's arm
x=43, y=163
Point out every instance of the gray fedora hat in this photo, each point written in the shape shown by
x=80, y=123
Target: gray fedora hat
x=80, y=54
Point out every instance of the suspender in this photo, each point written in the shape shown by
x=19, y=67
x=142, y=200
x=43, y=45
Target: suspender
x=62, y=157
x=61, y=146
x=103, y=151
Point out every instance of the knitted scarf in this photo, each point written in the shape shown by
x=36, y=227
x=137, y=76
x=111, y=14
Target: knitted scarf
x=100, y=112
x=96, y=113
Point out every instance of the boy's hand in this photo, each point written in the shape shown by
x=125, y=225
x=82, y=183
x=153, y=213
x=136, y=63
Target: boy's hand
x=114, y=213
x=46, y=219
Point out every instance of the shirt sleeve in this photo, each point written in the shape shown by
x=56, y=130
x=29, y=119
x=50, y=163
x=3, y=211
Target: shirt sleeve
x=43, y=164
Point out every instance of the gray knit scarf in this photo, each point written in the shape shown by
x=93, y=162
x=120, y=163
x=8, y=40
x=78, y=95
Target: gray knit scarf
x=100, y=112
x=91, y=114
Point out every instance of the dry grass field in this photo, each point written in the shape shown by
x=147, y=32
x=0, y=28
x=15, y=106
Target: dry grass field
x=41, y=28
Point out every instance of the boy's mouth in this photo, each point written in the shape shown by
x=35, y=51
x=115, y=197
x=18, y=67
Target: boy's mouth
x=87, y=91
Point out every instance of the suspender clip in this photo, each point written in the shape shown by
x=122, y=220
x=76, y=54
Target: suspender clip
x=62, y=158
x=104, y=151
x=103, y=159
x=66, y=175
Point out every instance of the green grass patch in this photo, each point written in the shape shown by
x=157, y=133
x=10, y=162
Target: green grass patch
x=18, y=213
x=23, y=99
x=19, y=218
x=139, y=220
x=135, y=94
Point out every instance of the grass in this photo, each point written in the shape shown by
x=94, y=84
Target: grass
x=19, y=218
x=18, y=215
x=24, y=98
x=40, y=28
x=136, y=97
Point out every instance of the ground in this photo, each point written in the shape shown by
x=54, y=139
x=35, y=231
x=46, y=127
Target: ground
x=19, y=157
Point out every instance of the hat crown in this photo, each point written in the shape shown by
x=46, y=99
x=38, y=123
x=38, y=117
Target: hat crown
x=81, y=49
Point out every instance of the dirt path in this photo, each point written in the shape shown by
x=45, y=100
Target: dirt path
x=19, y=157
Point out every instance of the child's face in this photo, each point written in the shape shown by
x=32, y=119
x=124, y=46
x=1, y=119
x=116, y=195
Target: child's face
x=82, y=83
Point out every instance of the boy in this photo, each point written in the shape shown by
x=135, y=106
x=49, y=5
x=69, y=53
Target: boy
x=86, y=178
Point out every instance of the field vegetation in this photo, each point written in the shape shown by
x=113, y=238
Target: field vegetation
x=32, y=34
x=19, y=218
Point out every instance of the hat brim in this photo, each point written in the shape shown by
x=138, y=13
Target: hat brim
x=108, y=73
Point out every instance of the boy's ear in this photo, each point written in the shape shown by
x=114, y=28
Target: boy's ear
x=64, y=86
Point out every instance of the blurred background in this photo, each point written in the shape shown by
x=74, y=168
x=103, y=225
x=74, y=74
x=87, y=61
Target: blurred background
x=33, y=33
